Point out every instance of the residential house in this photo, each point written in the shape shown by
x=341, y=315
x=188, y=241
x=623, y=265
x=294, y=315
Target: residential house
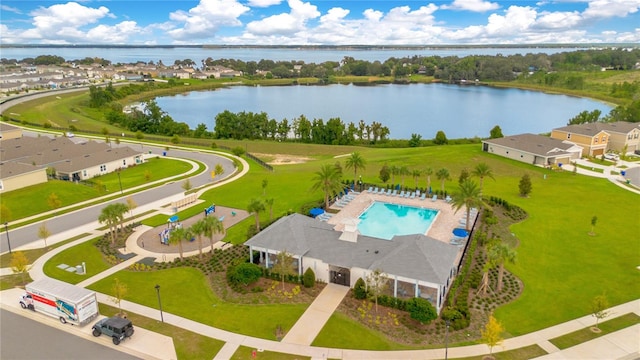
x=591, y=137
x=15, y=175
x=415, y=265
x=533, y=149
x=70, y=160
x=622, y=134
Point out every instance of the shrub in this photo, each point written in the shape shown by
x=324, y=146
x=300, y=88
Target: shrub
x=309, y=278
x=421, y=309
x=360, y=289
x=243, y=274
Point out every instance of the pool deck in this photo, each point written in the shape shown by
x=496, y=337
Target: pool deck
x=441, y=228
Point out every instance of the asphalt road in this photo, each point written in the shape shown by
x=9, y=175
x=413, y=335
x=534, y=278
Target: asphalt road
x=28, y=234
x=23, y=338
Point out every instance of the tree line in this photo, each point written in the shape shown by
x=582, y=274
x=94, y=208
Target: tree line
x=253, y=126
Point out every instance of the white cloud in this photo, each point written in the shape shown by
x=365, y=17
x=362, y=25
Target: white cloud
x=204, y=20
x=472, y=5
x=69, y=24
x=66, y=16
x=263, y=3
x=558, y=20
x=611, y=8
x=117, y=34
x=10, y=9
x=285, y=23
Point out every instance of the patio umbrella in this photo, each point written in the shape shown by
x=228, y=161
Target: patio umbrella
x=316, y=211
x=460, y=232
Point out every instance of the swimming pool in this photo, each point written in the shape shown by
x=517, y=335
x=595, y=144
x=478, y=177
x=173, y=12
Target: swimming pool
x=384, y=220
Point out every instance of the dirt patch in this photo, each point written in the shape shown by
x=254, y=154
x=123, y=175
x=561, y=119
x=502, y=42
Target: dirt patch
x=282, y=159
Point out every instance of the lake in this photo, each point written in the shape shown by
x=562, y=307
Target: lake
x=458, y=110
x=169, y=55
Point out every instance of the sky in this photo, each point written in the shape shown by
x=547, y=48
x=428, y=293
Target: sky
x=319, y=22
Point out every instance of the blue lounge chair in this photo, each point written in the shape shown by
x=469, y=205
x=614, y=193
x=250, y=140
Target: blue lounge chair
x=375, y=190
x=394, y=193
x=407, y=194
x=388, y=192
x=370, y=189
x=382, y=191
x=423, y=196
x=413, y=195
x=448, y=198
x=434, y=198
x=401, y=193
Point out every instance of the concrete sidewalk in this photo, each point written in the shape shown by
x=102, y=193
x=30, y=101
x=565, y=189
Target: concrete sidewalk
x=312, y=321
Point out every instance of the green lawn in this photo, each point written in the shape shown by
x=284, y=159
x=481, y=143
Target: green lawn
x=85, y=252
x=606, y=327
x=345, y=333
x=246, y=353
x=32, y=200
x=186, y=292
x=562, y=267
x=525, y=353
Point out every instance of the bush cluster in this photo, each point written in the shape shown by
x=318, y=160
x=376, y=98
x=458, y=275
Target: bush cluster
x=513, y=211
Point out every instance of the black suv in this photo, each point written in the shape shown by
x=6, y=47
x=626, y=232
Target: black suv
x=116, y=327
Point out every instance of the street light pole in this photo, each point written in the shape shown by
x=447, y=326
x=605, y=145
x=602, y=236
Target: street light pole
x=6, y=230
x=446, y=340
x=159, y=302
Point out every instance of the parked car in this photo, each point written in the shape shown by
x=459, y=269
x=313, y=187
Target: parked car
x=115, y=327
x=611, y=157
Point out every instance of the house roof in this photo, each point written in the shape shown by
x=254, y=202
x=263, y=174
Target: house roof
x=413, y=256
x=85, y=161
x=10, y=169
x=622, y=127
x=62, y=153
x=589, y=129
x=534, y=144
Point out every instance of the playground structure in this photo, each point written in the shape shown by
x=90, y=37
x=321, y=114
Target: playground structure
x=172, y=223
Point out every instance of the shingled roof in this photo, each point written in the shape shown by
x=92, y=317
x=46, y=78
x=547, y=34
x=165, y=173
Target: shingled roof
x=589, y=129
x=413, y=256
x=534, y=144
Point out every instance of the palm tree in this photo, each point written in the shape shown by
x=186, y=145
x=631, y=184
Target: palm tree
x=109, y=217
x=394, y=171
x=212, y=225
x=177, y=236
x=416, y=175
x=255, y=206
x=482, y=170
x=501, y=253
x=442, y=175
x=120, y=211
x=198, y=229
x=356, y=162
x=403, y=171
x=269, y=203
x=327, y=180
x=428, y=171
x=468, y=196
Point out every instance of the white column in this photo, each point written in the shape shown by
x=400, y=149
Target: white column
x=438, y=300
x=395, y=286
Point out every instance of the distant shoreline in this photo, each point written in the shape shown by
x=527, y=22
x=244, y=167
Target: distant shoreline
x=328, y=47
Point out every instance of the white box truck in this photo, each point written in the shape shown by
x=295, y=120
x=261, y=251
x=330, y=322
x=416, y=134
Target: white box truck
x=69, y=303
